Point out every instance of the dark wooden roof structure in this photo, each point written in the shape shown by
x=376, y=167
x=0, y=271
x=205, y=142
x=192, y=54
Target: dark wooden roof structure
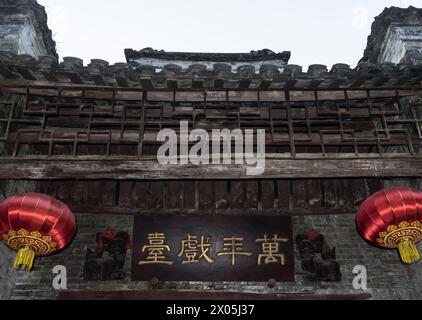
x=88, y=134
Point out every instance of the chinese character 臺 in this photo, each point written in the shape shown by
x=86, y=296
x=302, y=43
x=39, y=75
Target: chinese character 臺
x=271, y=250
x=191, y=246
x=156, y=249
x=234, y=246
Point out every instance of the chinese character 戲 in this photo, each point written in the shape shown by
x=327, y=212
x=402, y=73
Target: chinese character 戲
x=191, y=247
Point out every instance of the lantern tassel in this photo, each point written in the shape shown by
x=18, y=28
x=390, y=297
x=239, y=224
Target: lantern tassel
x=25, y=259
x=408, y=252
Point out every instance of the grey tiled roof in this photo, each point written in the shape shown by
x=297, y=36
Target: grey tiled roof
x=253, y=56
x=72, y=71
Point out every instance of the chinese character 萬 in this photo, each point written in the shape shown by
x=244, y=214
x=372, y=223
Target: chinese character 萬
x=271, y=250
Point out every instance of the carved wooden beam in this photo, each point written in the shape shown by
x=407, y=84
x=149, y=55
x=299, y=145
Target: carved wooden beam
x=198, y=295
x=149, y=169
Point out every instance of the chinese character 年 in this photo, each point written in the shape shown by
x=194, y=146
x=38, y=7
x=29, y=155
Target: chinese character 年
x=234, y=247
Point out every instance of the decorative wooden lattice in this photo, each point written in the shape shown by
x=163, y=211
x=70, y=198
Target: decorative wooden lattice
x=78, y=122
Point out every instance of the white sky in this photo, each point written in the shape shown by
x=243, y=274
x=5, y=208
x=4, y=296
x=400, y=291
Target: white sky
x=322, y=31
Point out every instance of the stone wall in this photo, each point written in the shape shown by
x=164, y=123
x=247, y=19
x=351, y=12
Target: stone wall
x=9, y=188
x=402, y=43
x=396, y=37
x=24, y=29
x=7, y=274
x=387, y=277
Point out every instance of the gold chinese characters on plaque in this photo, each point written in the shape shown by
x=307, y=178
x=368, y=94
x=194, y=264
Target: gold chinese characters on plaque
x=212, y=248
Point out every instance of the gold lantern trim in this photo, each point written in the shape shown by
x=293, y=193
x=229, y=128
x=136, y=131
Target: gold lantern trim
x=28, y=244
x=404, y=237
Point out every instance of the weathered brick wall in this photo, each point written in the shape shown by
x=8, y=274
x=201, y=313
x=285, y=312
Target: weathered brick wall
x=23, y=30
x=7, y=273
x=387, y=277
x=9, y=188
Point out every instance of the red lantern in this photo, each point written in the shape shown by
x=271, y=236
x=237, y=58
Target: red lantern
x=35, y=225
x=392, y=219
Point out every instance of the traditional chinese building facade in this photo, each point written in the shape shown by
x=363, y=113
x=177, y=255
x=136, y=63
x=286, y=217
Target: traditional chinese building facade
x=87, y=135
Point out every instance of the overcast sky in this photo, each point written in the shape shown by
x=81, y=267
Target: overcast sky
x=323, y=31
